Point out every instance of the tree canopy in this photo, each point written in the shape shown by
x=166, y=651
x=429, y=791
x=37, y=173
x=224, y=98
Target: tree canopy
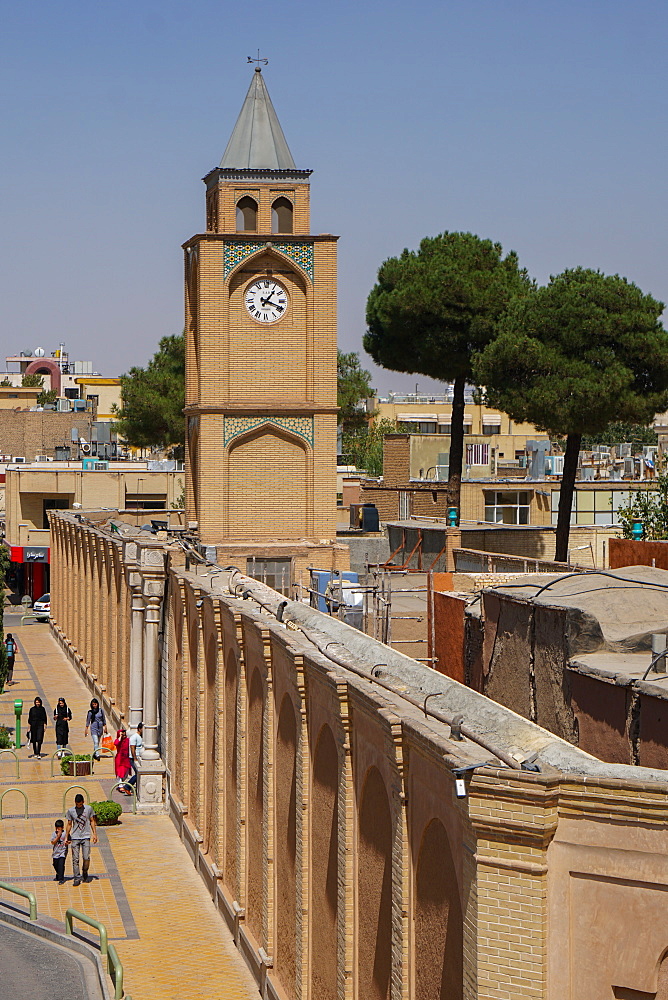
x=152, y=399
x=353, y=385
x=431, y=309
x=573, y=356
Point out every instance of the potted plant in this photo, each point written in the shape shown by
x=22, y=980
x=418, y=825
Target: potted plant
x=5, y=738
x=106, y=813
x=77, y=766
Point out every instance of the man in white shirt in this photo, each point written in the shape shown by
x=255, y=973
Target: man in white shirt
x=136, y=752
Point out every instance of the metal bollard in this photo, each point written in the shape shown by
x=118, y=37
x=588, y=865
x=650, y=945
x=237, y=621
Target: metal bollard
x=18, y=708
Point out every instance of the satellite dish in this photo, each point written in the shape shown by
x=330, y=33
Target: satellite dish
x=39, y=352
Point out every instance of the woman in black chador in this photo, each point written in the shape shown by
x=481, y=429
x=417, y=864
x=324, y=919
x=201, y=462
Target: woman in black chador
x=62, y=716
x=36, y=726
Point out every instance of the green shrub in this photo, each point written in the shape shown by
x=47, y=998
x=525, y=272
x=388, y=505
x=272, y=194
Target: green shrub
x=65, y=762
x=106, y=813
x=5, y=738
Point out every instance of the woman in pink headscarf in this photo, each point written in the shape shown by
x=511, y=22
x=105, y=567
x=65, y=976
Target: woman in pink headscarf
x=122, y=759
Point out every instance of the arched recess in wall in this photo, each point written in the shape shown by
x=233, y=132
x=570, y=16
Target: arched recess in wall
x=624, y=993
x=231, y=760
x=286, y=846
x=282, y=213
x=193, y=727
x=210, y=715
x=255, y=806
x=176, y=740
x=247, y=215
x=374, y=890
x=324, y=866
x=270, y=473
x=438, y=920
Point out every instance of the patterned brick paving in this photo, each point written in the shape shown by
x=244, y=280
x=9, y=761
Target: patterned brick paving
x=167, y=933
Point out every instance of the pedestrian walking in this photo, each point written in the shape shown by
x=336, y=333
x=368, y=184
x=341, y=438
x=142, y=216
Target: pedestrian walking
x=81, y=829
x=62, y=717
x=59, y=851
x=136, y=751
x=36, y=725
x=96, y=722
x=10, y=647
x=122, y=765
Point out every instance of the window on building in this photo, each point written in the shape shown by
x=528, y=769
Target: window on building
x=447, y=428
x=477, y=454
x=246, y=215
x=72, y=394
x=593, y=506
x=282, y=216
x=145, y=501
x=275, y=573
x=489, y=429
x=53, y=503
x=507, y=506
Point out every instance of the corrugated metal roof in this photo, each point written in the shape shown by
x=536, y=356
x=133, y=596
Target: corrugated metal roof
x=257, y=141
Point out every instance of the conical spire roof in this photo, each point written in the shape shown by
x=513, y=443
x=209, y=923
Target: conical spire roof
x=257, y=141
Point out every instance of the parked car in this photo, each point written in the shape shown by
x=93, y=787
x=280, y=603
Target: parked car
x=42, y=608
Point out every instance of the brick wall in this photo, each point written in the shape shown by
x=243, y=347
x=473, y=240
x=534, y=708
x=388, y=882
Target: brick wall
x=30, y=434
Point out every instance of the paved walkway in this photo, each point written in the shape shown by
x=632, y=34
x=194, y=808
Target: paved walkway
x=169, y=937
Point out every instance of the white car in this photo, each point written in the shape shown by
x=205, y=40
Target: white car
x=42, y=608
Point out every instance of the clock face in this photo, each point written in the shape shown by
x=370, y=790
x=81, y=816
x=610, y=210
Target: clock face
x=266, y=300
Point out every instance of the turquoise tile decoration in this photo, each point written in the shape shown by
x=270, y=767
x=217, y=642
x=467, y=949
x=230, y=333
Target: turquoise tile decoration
x=234, y=426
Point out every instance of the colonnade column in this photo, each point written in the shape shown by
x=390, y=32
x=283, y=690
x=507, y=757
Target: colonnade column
x=152, y=668
x=136, y=686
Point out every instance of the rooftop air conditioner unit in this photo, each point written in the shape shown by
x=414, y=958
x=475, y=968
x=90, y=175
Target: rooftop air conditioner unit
x=100, y=466
x=43, y=458
x=18, y=459
x=63, y=405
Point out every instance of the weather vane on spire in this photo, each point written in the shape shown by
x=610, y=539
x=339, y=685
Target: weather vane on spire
x=258, y=60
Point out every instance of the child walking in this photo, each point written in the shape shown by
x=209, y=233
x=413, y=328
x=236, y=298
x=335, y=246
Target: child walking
x=59, y=845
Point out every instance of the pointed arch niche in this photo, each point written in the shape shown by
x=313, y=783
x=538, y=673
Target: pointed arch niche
x=269, y=478
x=284, y=348
x=439, y=939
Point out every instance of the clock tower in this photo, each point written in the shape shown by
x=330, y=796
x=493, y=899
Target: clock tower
x=261, y=357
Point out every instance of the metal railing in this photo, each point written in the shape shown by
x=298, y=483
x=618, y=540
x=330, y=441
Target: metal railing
x=124, y=784
x=30, y=896
x=71, y=788
x=477, y=561
x=16, y=757
x=113, y=963
x=21, y=792
x=60, y=754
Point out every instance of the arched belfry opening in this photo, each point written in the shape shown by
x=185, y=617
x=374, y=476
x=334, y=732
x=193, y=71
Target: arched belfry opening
x=247, y=215
x=282, y=216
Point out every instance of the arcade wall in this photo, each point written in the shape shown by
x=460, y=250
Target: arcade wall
x=320, y=809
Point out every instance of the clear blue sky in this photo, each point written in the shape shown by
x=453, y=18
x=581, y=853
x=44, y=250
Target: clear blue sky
x=538, y=123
